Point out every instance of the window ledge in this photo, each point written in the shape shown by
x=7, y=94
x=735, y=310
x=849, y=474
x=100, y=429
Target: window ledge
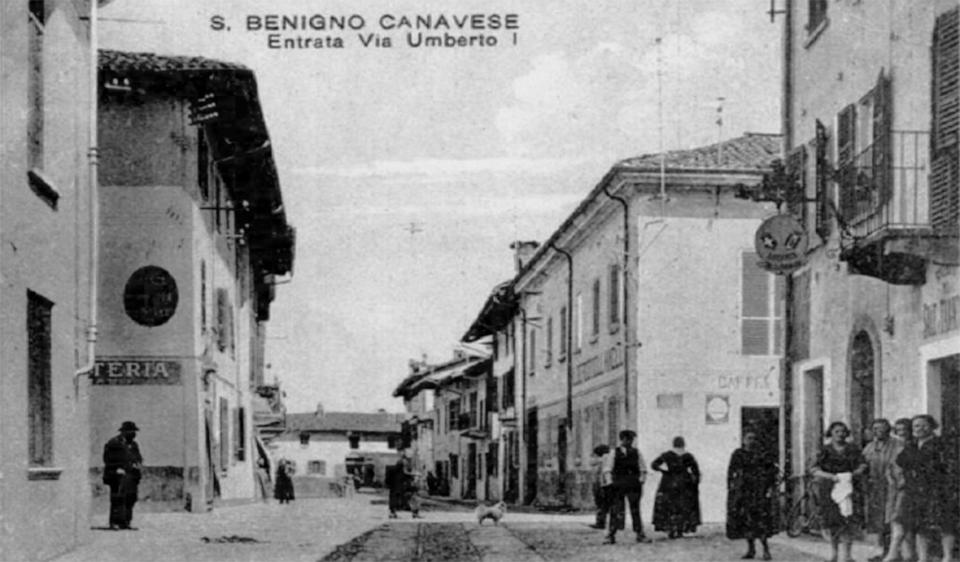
x=44, y=473
x=815, y=33
x=43, y=187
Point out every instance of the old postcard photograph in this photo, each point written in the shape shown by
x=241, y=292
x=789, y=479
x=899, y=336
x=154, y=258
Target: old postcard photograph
x=480, y=280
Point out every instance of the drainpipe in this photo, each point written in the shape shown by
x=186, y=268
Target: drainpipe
x=786, y=366
x=522, y=492
x=569, y=422
x=567, y=255
x=626, y=297
x=94, y=162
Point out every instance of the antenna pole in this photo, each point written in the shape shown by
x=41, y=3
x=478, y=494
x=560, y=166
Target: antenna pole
x=663, y=174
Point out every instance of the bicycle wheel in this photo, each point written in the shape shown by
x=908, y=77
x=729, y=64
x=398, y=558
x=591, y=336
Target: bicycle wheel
x=796, y=519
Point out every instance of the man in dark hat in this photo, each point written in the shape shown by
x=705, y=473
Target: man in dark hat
x=121, y=471
x=627, y=471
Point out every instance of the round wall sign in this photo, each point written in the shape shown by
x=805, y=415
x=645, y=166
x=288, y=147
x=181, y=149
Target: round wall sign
x=781, y=244
x=150, y=297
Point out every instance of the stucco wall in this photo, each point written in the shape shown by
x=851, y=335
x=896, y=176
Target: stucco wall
x=44, y=251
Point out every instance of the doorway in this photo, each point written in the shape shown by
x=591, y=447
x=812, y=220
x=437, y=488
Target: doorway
x=862, y=385
x=530, y=488
x=765, y=421
x=812, y=414
x=949, y=415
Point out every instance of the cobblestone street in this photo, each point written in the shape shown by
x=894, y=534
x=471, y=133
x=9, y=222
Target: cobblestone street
x=338, y=530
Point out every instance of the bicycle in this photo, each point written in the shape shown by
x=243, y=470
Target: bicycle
x=804, y=514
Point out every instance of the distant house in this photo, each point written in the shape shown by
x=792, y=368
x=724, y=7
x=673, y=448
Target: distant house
x=326, y=446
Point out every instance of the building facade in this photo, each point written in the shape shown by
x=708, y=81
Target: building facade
x=871, y=126
x=647, y=310
x=460, y=452
x=45, y=267
x=193, y=234
x=324, y=447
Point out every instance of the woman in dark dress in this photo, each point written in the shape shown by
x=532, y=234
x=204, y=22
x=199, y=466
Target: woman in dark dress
x=676, y=509
x=283, y=488
x=840, y=464
x=751, y=496
x=930, y=502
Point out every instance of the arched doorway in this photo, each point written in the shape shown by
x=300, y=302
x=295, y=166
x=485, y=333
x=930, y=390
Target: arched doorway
x=862, y=385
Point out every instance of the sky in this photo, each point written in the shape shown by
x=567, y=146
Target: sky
x=407, y=172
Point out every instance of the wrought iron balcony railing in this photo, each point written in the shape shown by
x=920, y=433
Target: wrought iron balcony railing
x=886, y=186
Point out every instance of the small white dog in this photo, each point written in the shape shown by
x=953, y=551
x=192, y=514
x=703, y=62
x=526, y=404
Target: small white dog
x=495, y=512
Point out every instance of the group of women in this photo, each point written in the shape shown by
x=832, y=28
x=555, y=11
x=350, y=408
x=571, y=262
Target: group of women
x=905, y=490
x=917, y=483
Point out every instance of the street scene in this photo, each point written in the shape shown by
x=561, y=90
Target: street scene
x=432, y=280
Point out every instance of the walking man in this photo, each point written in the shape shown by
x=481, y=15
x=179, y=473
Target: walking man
x=627, y=471
x=121, y=472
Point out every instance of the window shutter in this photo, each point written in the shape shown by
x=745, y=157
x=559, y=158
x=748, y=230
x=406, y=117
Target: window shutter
x=755, y=292
x=882, y=118
x=846, y=150
x=797, y=183
x=822, y=179
x=944, y=178
x=614, y=294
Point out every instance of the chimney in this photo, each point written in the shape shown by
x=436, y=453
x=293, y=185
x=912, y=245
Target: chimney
x=319, y=412
x=523, y=250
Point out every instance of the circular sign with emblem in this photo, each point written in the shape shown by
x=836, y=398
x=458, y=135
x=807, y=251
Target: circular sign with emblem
x=718, y=409
x=781, y=243
x=150, y=296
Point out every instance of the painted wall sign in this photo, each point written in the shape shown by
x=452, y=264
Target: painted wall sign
x=133, y=370
x=781, y=243
x=717, y=409
x=599, y=364
x=743, y=382
x=150, y=296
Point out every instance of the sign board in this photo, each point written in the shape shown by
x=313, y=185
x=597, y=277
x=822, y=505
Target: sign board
x=781, y=243
x=135, y=370
x=717, y=409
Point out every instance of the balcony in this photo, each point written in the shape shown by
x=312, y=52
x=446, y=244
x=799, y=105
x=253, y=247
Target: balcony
x=884, y=205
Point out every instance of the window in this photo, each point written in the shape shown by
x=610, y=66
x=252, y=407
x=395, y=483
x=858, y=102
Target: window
x=35, y=84
x=203, y=165
x=578, y=323
x=509, y=389
x=472, y=410
x=614, y=297
x=354, y=441
x=564, y=324
x=203, y=296
x=595, y=324
x=317, y=467
x=577, y=434
x=761, y=309
x=225, y=341
x=532, y=355
x=241, y=435
x=455, y=466
x=493, y=397
x=816, y=14
x=40, y=405
x=453, y=419
x=863, y=153
x=304, y=439
x=391, y=442
x=549, y=358
x=596, y=425
x=224, y=433
x=945, y=130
